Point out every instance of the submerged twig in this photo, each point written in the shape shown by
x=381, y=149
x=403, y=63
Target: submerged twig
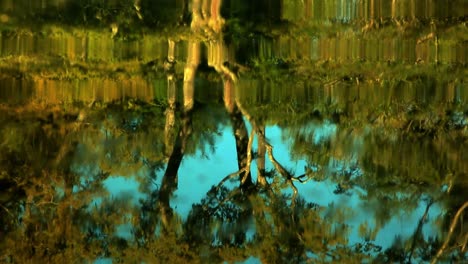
x=449, y=235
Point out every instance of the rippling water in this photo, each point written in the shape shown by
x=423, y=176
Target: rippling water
x=213, y=131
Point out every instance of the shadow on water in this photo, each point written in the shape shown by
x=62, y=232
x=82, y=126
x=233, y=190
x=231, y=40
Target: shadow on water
x=224, y=131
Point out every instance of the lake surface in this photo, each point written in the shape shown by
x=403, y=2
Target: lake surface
x=216, y=131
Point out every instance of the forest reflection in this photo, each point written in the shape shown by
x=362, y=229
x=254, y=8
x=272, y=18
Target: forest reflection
x=273, y=132
x=60, y=157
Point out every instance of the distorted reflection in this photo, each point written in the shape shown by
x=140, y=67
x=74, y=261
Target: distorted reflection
x=216, y=131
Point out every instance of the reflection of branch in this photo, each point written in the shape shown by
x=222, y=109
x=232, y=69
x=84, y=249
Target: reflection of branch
x=245, y=170
x=249, y=158
x=419, y=229
x=281, y=169
x=229, y=197
x=171, y=98
x=261, y=138
x=261, y=149
x=232, y=175
x=449, y=235
x=464, y=243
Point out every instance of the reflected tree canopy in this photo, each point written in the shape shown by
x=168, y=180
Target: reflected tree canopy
x=209, y=131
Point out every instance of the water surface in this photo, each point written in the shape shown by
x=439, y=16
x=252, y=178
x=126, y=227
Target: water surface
x=230, y=131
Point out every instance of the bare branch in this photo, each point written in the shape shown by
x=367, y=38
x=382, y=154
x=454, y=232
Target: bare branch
x=449, y=235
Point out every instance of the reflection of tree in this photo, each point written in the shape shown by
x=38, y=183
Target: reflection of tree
x=169, y=181
x=394, y=154
x=45, y=217
x=463, y=235
x=231, y=225
x=261, y=149
x=243, y=145
x=227, y=225
x=48, y=204
x=416, y=248
x=171, y=100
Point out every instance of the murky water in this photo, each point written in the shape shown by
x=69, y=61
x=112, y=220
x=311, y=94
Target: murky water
x=213, y=131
